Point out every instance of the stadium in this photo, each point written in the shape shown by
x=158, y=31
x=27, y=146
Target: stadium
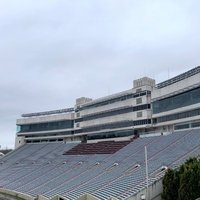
x=115, y=147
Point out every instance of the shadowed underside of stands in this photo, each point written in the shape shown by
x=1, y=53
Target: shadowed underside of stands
x=104, y=169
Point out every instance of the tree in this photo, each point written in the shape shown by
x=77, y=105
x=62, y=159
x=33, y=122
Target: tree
x=169, y=186
x=184, y=183
x=190, y=181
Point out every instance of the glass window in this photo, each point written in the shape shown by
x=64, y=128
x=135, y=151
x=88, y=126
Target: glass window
x=139, y=114
x=138, y=100
x=195, y=124
x=46, y=126
x=181, y=126
x=177, y=101
x=176, y=116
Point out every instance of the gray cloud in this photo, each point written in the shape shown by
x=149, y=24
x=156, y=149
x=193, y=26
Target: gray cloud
x=54, y=51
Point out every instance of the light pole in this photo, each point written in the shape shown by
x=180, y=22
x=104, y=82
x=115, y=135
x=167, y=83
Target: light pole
x=147, y=177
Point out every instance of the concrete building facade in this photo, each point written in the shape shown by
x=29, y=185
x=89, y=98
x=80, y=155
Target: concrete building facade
x=50, y=126
x=176, y=102
x=145, y=108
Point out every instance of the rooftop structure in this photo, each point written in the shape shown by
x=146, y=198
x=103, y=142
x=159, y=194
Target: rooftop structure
x=52, y=112
x=180, y=77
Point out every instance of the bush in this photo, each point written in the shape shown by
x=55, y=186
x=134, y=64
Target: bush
x=184, y=183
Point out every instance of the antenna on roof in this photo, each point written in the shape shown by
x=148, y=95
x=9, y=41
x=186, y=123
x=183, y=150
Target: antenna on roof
x=144, y=71
x=108, y=90
x=168, y=72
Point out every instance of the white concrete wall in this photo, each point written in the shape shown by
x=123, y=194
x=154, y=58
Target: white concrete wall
x=120, y=104
x=132, y=102
x=14, y=195
x=19, y=141
x=132, y=116
x=82, y=100
x=144, y=82
x=154, y=192
x=116, y=105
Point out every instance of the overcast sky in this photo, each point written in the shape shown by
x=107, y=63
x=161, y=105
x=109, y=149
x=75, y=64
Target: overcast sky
x=53, y=51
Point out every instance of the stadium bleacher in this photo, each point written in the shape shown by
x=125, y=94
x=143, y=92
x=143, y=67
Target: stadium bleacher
x=104, y=147
x=73, y=169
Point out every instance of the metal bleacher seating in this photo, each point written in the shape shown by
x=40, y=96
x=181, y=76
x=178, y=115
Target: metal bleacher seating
x=47, y=169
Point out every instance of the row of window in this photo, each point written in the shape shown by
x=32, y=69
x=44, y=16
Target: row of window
x=181, y=126
x=177, y=101
x=177, y=116
x=45, y=134
x=121, y=124
x=45, y=140
x=45, y=126
x=117, y=99
x=112, y=134
x=113, y=112
x=187, y=125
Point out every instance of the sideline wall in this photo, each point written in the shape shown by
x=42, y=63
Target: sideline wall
x=154, y=192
